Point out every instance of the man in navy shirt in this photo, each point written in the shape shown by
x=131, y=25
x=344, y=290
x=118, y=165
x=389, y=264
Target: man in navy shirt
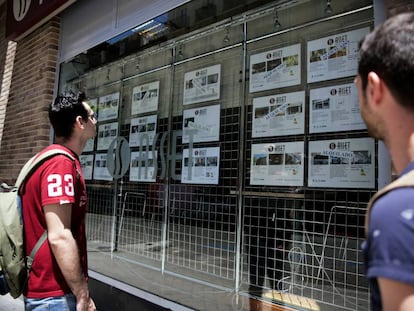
x=385, y=83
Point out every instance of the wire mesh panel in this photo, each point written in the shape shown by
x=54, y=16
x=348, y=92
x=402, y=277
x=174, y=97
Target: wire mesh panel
x=138, y=232
x=99, y=218
x=202, y=218
x=268, y=234
x=317, y=254
x=200, y=233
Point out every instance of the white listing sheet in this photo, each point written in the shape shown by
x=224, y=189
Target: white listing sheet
x=335, y=56
x=342, y=163
x=203, y=122
x=277, y=164
x=277, y=115
x=201, y=166
x=202, y=85
x=145, y=98
x=334, y=109
x=275, y=68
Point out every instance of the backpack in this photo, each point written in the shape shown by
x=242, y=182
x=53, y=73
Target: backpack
x=14, y=265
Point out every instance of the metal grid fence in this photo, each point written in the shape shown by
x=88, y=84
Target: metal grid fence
x=294, y=241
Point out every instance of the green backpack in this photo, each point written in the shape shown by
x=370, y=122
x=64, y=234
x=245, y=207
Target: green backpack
x=14, y=265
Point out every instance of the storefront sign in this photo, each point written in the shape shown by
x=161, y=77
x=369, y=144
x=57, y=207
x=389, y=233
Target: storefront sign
x=24, y=16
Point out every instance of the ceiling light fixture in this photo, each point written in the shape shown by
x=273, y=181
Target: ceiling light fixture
x=328, y=8
x=180, y=53
x=226, y=38
x=276, y=23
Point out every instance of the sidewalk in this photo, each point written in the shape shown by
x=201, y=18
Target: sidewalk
x=7, y=303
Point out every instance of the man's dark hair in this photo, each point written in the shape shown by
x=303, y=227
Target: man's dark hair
x=63, y=112
x=389, y=52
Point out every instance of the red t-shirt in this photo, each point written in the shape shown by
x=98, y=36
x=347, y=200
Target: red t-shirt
x=58, y=180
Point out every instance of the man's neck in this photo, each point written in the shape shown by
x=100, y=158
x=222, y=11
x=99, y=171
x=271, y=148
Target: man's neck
x=70, y=144
x=401, y=145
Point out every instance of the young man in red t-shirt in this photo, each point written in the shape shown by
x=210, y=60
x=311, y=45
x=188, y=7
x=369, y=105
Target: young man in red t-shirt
x=54, y=199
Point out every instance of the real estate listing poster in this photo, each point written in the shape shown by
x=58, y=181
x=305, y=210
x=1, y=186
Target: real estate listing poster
x=277, y=164
x=342, y=163
x=275, y=68
x=143, y=166
x=145, y=98
x=278, y=115
x=101, y=171
x=106, y=134
x=142, y=131
x=203, y=123
x=335, y=56
x=334, y=109
x=201, y=166
x=93, y=103
x=108, y=107
x=202, y=85
x=86, y=161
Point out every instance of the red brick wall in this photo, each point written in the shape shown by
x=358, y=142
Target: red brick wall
x=3, y=42
x=26, y=125
x=3, y=50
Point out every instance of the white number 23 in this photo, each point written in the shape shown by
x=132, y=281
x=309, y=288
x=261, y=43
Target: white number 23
x=57, y=186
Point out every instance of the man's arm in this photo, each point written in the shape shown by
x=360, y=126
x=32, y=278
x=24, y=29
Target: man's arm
x=396, y=296
x=65, y=250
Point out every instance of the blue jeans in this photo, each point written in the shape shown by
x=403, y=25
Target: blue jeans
x=61, y=303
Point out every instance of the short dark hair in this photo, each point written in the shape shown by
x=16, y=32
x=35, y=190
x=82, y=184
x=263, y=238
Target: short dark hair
x=63, y=112
x=389, y=52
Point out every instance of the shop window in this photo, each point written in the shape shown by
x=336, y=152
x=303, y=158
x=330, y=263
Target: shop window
x=248, y=165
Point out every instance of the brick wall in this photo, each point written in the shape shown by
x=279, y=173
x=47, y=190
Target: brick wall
x=3, y=42
x=26, y=125
x=3, y=51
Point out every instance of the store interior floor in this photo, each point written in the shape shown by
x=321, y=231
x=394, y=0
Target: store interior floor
x=176, y=292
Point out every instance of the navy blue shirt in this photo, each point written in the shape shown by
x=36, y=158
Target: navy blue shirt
x=389, y=248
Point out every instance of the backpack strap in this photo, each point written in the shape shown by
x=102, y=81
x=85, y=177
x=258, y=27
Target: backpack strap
x=30, y=258
x=404, y=181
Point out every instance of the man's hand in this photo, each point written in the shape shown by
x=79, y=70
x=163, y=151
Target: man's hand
x=85, y=304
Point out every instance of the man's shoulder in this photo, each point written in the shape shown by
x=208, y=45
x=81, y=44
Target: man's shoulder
x=393, y=202
x=398, y=190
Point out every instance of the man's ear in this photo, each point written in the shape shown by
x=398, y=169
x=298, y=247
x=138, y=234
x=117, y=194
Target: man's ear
x=375, y=88
x=79, y=122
